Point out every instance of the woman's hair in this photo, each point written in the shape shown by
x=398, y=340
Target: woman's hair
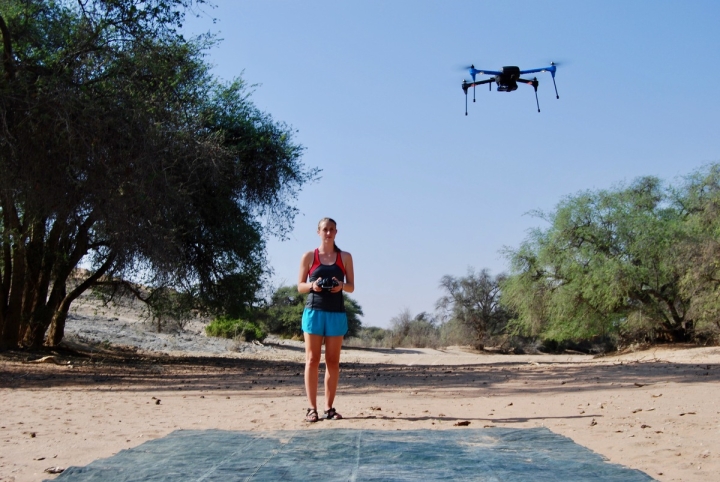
x=329, y=220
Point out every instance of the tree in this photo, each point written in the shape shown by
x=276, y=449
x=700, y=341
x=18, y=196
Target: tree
x=283, y=314
x=420, y=331
x=474, y=301
x=119, y=150
x=354, y=312
x=699, y=259
x=607, y=264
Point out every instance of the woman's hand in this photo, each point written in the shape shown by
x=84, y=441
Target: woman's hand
x=339, y=287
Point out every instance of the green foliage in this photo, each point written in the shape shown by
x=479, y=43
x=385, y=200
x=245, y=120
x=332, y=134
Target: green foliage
x=699, y=253
x=120, y=149
x=607, y=264
x=354, y=312
x=283, y=314
x=234, y=328
x=372, y=333
x=169, y=306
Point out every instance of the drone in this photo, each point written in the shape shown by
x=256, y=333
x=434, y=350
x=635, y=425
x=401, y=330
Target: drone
x=507, y=80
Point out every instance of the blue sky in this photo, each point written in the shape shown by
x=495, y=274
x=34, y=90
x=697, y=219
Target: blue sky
x=418, y=189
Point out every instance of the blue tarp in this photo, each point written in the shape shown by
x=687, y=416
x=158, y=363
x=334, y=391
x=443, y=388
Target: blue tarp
x=492, y=454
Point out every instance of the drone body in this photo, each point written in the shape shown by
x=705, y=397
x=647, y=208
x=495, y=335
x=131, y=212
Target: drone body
x=507, y=80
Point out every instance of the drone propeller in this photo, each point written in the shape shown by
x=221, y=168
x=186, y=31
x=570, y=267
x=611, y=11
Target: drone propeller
x=475, y=71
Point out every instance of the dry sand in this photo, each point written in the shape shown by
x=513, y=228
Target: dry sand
x=656, y=410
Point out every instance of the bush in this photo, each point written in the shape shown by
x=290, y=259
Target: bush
x=594, y=345
x=455, y=332
x=234, y=328
x=420, y=331
x=371, y=337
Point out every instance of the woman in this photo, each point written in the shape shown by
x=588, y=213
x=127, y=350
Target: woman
x=324, y=273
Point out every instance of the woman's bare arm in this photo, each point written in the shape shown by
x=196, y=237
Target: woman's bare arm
x=305, y=262
x=349, y=285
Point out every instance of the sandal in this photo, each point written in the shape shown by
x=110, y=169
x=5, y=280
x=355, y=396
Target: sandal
x=332, y=415
x=312, y=415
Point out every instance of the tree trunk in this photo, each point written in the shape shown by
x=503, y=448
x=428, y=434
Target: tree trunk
x=480, y=341
x=13, y=317
x=34, y=335
x=57, y=324
x=57, y=327
x=6, y=280
x=34, y=296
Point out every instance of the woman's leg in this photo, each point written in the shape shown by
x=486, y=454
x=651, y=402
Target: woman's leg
x=313, y=348
x=333, y=344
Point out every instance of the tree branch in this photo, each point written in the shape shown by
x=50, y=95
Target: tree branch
x=91, y=280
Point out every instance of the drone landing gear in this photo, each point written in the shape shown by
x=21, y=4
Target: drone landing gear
x=534, y=82
x=465, y=89
x=466, y=85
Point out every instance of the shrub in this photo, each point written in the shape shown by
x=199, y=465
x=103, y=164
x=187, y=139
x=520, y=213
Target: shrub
x=371, y=337
x=234, y=328
x=417, y=332
x=455, y=332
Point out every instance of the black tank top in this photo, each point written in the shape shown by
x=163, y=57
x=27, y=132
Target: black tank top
x=324, y=300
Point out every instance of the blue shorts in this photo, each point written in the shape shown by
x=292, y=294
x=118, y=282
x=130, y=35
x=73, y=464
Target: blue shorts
x=324, y=323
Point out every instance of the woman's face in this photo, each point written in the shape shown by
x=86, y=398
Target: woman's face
x=327, y=231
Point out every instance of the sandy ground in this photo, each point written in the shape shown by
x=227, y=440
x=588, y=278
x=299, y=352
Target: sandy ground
x=656, y=410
